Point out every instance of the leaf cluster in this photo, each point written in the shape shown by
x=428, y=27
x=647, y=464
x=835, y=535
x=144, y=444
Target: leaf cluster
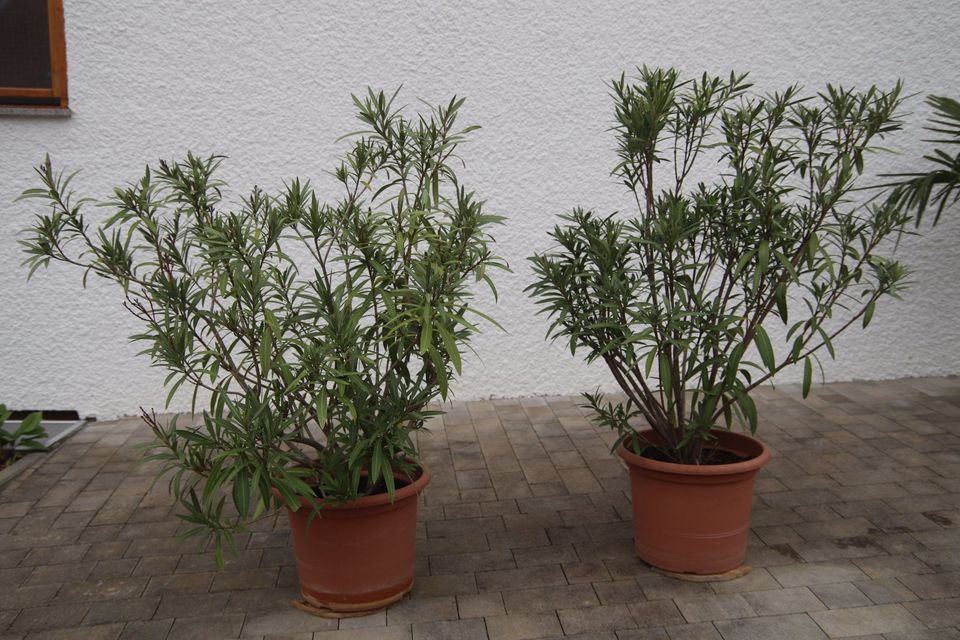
x=677, y=300
x=313, y=334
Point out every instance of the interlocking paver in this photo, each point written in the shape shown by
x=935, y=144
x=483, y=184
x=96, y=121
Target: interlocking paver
x=528, y=577
x=594, y=619
x=523, y=626
x=206, y=627
x=284, y=621
x=798, y=575
x=783, y=601
x=714, y=607
x=840, y=595
x=549, y=598
x=526, y=525
x=842, y=623
x=414, y=610
x=471, y=629
x=480, y=605
x=796, y=626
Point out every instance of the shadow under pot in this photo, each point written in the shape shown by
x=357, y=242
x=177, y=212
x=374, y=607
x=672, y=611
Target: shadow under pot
x=694, y=519
x=357, y=556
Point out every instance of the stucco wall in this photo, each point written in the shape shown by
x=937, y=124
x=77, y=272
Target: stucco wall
x=268, y=84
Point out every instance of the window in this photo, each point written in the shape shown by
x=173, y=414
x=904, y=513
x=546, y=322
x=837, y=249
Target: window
x=33, y=57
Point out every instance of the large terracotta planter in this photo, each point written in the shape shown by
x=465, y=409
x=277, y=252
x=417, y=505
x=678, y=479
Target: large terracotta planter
x=360, y=555
x=694, y=518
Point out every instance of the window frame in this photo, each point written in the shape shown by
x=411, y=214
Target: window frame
x=58, y=68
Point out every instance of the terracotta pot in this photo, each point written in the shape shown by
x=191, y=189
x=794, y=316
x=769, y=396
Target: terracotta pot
x=359, y=555
x=694, y=518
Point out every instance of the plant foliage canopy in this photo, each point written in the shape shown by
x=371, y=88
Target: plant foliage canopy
x=677, y=300
x=319, y=332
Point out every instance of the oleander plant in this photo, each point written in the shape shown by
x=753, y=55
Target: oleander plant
x=751, y=212
x=311, y=335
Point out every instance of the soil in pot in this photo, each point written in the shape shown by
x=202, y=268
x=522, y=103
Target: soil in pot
x=358, y=556
x=694, y=518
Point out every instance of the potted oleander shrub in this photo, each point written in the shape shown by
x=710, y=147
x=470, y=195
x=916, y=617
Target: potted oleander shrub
x=311, y=336
x=751, y=250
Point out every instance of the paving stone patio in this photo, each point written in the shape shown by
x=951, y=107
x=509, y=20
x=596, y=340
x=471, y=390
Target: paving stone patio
x=525, y=533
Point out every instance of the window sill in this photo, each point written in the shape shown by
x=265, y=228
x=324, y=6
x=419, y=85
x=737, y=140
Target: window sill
x=35, y=112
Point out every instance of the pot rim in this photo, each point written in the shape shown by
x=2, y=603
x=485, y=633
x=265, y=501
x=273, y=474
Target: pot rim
x=747, y=466
x=366, y=502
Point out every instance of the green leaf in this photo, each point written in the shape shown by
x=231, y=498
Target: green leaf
x=426, y=331
x=450, y=346
x=749, y=409
x=780, y=295
x=266, y=351
x=762, y=340
x=868, y=313
x=807, y=376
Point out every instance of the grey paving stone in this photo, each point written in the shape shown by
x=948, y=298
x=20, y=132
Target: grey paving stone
x=885, y=591
x=649, y=633
x=891, y=566
x=194, y=604
x=285, y=621
x=100, y=590
x=52, y=617
x=590, y=571
x=758, y=579
x=618, y=592
x=414, y=610
x=842, y=623
x=375, y=619
x=523, y=626
x=445, y=585
x=596, y=619
x=470, y=562
x=121, y=610
x=150, y=630
x=714, y=607
x=549, y=598
x=480, y=605
x=472, y=629
x=840, y=595
x=933, y=586
x=798, y=626
x=926, y=634
x=207, y=627
x=96, y=632
x=937, y=613
x=657, y=613
x=783, y=601
x=658, y=587
x=29, y=596
x=799, y=575
x=699, y=631
x=527, y=577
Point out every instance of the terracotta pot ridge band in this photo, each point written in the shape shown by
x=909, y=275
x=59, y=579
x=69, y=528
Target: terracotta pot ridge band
x=402, y=494
x=757, y=461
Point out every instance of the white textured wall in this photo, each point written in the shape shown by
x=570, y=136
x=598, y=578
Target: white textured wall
x=268, y=84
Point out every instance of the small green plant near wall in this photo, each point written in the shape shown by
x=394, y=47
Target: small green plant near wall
x=28, y=435
x=319, y=331
x=677, y=301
